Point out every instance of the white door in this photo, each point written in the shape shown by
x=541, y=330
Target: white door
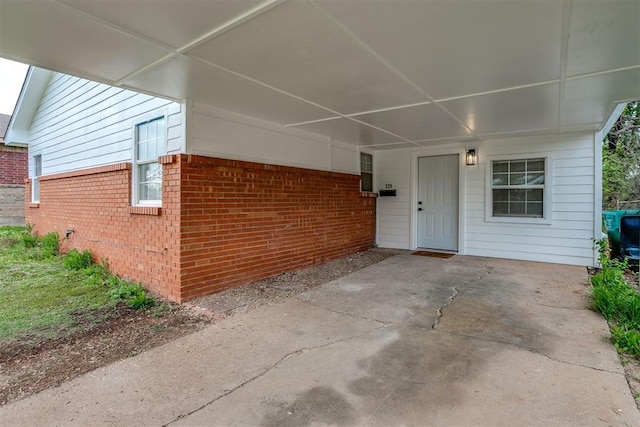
x=438, y=202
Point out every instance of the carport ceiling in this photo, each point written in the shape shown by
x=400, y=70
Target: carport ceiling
x=380, y=74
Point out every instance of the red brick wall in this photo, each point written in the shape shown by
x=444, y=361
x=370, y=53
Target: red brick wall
x=13, y=172
x=13, y=165
x=95, y=203
x=243, y=222
x=223, y=223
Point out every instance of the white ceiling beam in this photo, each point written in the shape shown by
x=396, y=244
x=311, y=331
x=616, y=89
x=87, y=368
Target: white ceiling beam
x=380, y=129
x=232, y=23
x=491, y=92
x=383, y=110
x=564, y=49
x=517, y=133
x=362, y=113
x=603, y=72
x=111, y=25
x=219, y=30
x=386, y=144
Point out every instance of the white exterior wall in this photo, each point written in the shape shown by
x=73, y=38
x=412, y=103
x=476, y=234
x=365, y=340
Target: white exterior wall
x=566, y=238
x=81, y=124
x=216, y=133
x=393, y=213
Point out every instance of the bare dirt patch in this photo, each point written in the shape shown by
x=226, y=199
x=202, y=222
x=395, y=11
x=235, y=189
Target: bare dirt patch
x=631, y=365
x=239, y=300
x=632, y=373
x=27, y=367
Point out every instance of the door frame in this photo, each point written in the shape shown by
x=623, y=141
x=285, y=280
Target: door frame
x=462, y=190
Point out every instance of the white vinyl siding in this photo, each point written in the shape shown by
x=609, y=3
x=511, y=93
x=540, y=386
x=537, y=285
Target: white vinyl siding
x=564, y=237
x=565, y=234
x=394, y=213
x=82, y=124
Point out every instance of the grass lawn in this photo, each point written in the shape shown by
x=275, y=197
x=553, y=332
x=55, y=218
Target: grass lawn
x=41, y=297
x=62, y=316
x=619, y=302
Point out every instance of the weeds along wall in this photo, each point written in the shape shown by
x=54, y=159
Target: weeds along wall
x=222, y=223
x=141, y=244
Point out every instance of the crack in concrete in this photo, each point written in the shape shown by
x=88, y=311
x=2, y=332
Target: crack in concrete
x=566, y=362
x=530, y=350
x=267, y=370
x=485, y=273
x=344, y=313
x=439, y=309
x=563, y=307
x=456, y=291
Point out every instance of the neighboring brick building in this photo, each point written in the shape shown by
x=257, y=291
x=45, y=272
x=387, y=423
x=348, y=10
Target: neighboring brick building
x=13, y=172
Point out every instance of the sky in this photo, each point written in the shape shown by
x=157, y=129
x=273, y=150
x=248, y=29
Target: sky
x=11, y=78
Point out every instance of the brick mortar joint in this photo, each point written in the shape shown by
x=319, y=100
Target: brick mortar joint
x=116, y=167
x=242, y=166
x=145, y=210
x=368, y=194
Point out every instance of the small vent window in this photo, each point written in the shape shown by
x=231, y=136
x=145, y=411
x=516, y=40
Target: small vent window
x=35, y=182
x=366, y=172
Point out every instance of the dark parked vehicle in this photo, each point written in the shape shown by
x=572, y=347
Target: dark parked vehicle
x=613, y=223
x=630, y=237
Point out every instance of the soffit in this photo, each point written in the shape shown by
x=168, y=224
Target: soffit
x=384, y=74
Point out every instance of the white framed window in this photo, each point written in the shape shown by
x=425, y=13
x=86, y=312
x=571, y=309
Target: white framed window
x=150, y=142
x=518, y=189
x=35, y=182
x=366, y=172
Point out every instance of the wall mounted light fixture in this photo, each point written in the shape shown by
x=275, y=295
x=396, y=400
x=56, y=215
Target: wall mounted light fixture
x=471, y=158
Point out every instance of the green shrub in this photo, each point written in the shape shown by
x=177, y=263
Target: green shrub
x=29, y=237
x=75, y=260
x=619, y=303
x=134, y=294
x=126, y=290
x=40, y=247
x=49, y=245
x=141, y=301
x=626, y=340
x=98, y=275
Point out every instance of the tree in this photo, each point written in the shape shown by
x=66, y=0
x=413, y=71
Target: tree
x=621, y=161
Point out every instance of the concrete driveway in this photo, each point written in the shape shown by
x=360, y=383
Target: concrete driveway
x=409, y=341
